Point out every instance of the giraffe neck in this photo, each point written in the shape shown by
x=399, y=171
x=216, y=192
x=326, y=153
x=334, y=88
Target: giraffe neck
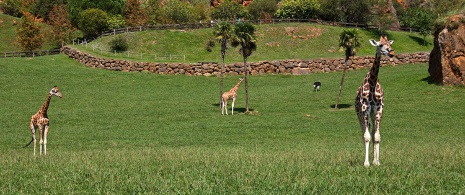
x=373, y=78
x=234, y=89
x=44, y=108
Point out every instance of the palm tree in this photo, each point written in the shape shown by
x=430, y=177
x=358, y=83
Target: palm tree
x=222, y=32
x=244, y=36
x=349, y=40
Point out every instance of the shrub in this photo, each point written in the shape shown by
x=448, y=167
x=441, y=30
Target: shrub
x=119, y=44
x=93, y=21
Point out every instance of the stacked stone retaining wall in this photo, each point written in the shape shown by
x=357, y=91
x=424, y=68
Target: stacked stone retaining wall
x=294, y=66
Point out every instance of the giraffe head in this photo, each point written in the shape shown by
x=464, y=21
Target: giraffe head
x=55, y=91
x=383, y=46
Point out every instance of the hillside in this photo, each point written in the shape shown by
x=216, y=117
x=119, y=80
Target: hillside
x=275, y=42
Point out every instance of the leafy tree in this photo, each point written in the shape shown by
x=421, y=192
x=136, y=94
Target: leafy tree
x=116, y=22
x=384, y=15
x=345, y=11
x=61, y=30
x=154, y=11
x=229, y=10
x=420, y=18
x=111, y=7
x=244, y=36
x=42, y=8
x=298, y=9
x=28, y=35
x=93, y=22
x=134, y=15
x=177, y=12
x=11, y=7
x=222, y=32
x=262, y=9
x=348, y=40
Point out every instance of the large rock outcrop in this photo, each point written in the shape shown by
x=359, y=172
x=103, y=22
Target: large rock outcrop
x=447, y=59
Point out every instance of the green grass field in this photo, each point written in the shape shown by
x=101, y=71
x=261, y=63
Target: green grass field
x=127, y=133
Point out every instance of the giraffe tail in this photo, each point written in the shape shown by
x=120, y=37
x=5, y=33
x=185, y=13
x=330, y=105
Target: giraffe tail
x=29, y=143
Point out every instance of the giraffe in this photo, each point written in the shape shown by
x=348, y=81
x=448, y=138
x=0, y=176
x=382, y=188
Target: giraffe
x=369, y=102
x=40, y=120
x=231, y=94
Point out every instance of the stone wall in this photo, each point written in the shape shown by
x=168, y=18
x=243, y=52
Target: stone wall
x=295, y=67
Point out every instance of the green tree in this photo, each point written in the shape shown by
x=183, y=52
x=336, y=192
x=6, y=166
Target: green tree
x=134, y=15
x=345, y=11
x=262, y=9
x=177, y=12
x=28, y=35
x=42, y=8
x=111, y=7
x=348, y=40
x=298, y=9
x=61, y=30
x=93, y=22
x=11, y=7
x=229, y=10
x=244, y=36
x=222, y=32
x=419, y=18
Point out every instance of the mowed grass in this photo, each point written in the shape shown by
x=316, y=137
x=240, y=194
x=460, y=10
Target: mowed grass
x=127, y=133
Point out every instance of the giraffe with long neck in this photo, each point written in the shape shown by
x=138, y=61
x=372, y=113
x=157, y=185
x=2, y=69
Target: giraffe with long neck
x=231, y=94
x=40, y=121
x=369, y=102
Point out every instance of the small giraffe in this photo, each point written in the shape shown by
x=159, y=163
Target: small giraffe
x=231, y=94
x=40, y=120
x=369, y=102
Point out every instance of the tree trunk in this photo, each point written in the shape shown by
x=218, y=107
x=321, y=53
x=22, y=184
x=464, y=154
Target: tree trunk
x=246, y=73
x=348, y=53
x=221, y=79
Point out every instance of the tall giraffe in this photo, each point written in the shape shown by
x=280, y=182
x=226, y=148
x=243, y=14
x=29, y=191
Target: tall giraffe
x=369, y=102
x=231, y=94
x=40, y=120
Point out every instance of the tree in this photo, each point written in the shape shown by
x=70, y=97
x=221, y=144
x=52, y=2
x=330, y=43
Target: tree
x=93, y=22
x=299, y=9
x=43, y=8
x=244, y=36
x=222, y=32
x=111, y=7
x=348, y=40
x=11, y=7
x=262, y=9
x=420, y=18
x=177, y=12
x=61, y=30
x=28, y=34
x=229, y=10
x=134, y=14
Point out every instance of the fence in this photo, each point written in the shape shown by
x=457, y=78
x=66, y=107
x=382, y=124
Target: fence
x=29, y=53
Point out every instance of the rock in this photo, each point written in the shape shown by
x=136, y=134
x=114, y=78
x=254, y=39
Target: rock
x=447, y=59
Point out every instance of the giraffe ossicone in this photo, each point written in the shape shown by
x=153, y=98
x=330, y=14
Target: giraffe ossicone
x=231, y=94
x=369, y=102
x=40, y=121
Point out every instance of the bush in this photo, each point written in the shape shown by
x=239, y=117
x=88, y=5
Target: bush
x=298, y=9
x=11, y=7
x=119, y=44
x=93, y=22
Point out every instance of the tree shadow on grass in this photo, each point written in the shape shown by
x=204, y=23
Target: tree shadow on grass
x=341, y=106
x=430, y=80
x=419, y=40
x=236, y=110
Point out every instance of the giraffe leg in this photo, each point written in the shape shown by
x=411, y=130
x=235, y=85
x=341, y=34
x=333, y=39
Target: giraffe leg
x=226, y=107
x=376, y=136
x=366, y=138
x=41, y=139
x=222, y=107
x=33, y=131
x=232, y=106
x=45, y=139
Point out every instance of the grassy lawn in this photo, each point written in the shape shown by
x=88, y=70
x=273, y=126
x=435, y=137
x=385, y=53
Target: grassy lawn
x=126, y=133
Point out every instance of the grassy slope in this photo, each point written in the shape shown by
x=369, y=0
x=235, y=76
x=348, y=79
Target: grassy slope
x=117, y=132
x=8, y=35
x=274, y=43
